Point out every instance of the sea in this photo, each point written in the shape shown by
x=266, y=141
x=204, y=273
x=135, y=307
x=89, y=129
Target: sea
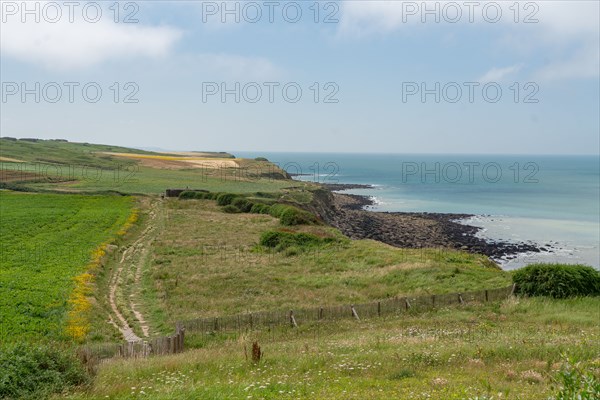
x=552, y=201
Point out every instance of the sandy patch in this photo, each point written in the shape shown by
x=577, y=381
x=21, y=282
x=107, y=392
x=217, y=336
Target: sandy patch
x=178, y=162
x=8, y=159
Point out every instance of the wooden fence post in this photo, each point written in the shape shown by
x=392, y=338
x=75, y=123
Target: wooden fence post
x=406, y=303
x=293, y=320
x=512, y=290
x=354, y=314
x=182, y=336
x=460, y=299
x=379, y=309
x=433, y=300
x=321, y=312
x=487, y=297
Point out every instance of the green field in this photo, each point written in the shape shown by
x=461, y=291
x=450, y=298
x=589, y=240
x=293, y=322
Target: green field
x=208, y=263
x=47, y=240
x=509, y=350
x=60, y=152
x=144, y=180
x=172, y=260
x=83, y=167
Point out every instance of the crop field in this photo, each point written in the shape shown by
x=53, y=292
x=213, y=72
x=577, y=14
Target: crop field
x=48, y=243
x=61, y=152
x=139, y=179
x=152, y=180
x=83, y=167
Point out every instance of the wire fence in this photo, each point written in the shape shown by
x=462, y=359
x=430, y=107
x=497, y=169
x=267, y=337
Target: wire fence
x=164, y=345
x=388, y=307
x=247, y=322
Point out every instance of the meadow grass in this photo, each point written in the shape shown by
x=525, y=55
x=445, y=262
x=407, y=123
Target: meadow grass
x=59, y=152
x=48, y=241
x=504, y=350
x=135, y=179
x=208, y=263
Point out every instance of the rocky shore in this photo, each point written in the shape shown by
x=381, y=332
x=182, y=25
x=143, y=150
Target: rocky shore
x=409, y=230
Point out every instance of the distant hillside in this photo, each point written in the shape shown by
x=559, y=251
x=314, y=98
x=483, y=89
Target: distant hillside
x=59, y=151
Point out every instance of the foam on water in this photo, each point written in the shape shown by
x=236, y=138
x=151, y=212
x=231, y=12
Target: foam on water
x=564, y=241
x=555, y=203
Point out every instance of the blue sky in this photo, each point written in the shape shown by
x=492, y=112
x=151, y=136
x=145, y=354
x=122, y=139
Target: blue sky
x=368, y=58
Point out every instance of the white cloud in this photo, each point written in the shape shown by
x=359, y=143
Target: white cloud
x=499, y=74
x=64, y=45
x=367, y=17
x=567, y=31
x=584, y=63
x=557, y=17
x=572, y=31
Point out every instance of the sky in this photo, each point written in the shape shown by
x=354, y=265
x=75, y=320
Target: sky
x=465, y=77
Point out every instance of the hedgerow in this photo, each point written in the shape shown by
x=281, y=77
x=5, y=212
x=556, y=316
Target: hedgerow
x=557, y=280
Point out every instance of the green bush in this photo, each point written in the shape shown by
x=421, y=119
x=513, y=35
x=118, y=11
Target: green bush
x=258, y=208
x=260, y=159
x=277, y=209
x=230, y=209
x=295, y=216
x=557, y=280
x=243, y=204
x=279, y=240
x=36, y=371
x=224, y=199
x=290, y=215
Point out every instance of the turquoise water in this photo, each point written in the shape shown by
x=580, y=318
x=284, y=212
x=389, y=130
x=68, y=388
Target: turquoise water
x=542, y=199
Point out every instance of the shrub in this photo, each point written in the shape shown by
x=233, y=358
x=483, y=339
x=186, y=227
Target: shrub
x=266, y=209
x=295, y=216
x=37, y=371
x=258, y=208
x=557, y=280
x=282, y=240
x=278, y=209
x=230, y=209
x=290, y=215
x=224, y=199
x=243, y=204
x=260, y=159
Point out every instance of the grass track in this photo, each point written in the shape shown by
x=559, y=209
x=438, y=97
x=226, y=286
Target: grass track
x=508, y=350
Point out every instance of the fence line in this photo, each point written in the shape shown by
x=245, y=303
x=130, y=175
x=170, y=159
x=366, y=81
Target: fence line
x=387, y=307
x=164, y=345
x=395, y=306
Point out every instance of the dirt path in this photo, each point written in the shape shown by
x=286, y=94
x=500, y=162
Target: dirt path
x=126, y=280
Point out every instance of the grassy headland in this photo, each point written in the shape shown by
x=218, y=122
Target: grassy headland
x=184, y=259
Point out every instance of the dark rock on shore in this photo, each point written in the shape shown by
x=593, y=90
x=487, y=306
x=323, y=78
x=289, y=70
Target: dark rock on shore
x=335, y=187
x=408, y=230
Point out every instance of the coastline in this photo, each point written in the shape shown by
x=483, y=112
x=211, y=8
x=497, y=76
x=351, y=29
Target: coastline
x=349, y=213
